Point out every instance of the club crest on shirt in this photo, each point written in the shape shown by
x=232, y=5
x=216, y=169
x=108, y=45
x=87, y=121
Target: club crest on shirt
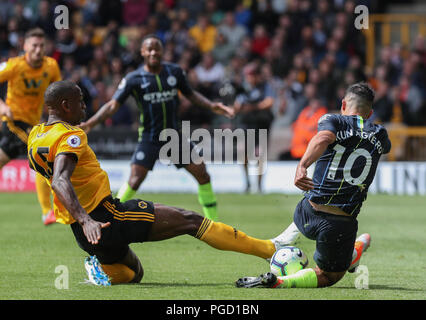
x=142, y=204
x=171, y=81
x=324, y=117
x=73, y=141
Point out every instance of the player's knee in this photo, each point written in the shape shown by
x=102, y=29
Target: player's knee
x=127, y=270
x=138, y=275
x=193, y=221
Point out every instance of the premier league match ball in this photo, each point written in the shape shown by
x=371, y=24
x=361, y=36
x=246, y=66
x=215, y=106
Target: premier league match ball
x=288, y=260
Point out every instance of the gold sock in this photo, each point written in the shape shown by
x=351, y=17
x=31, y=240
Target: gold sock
x=118, y=273
x=43, y=193
x=224, y=237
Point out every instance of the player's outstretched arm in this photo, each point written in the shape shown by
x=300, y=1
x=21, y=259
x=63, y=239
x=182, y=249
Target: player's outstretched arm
x=217, y=107
x=315, y=149
x=63, y=168
x=106, y=111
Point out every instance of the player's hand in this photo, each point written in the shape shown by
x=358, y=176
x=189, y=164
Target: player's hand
x=302, y=181
x=220, y=108
x=85, y=127
x=92, y=230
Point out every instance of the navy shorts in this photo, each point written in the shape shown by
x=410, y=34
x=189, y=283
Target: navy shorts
x=335, y=236
x=148, y=152
x=10, y=143
x=131, y=222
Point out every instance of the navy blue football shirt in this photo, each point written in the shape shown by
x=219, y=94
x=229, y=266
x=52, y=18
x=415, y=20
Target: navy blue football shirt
x=157, y=98
x=345, y=171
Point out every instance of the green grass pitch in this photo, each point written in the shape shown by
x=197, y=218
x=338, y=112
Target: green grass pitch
x=34, y=256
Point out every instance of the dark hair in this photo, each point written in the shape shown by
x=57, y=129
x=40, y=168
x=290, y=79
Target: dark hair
x=363, y=90
x=36, y=32
x=58, y=91
x=151, y=36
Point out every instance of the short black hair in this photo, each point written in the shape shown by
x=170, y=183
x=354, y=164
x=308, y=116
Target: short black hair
x=151, y=36
x=58, y=91
x=363, y=90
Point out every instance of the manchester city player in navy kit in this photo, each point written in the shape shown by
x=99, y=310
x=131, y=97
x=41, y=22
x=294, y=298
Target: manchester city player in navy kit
x=346, y=150
x=155, y=86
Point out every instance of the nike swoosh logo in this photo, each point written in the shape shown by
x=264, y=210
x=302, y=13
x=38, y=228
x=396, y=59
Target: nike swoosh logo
x=145, y=85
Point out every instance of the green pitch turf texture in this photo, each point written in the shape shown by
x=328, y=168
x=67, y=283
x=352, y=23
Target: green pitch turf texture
x=184, y=268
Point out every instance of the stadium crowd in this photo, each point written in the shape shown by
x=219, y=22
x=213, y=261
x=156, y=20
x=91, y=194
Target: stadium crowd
x=306, y=52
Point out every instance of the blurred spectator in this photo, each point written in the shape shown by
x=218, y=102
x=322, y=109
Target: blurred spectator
x=44, y=18
x=305, y=127
x=243, y=15
x=261, y=40
x=22, y=21
x=254, y=109
x=84, y=51
x=383, y=106
x=204, y=33
x=209, y=73
x=13, y=32
x=411, y=101
x=113, y=10
x=135, y=12
x=65, y=42
x=233, y=32
x=223, y=50
x=194, y=8
x=6, y=10
x=162, y=17
x=212, y=10
x=178, y=36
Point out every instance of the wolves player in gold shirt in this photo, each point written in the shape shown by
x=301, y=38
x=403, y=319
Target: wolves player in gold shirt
x=102, y=225
x=27, y=77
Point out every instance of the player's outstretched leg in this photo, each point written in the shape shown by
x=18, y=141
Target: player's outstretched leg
x=288, y=237
x=171, y=222
x=305, y=278
x=362, y=243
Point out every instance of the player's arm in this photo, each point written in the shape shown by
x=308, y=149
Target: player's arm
x=105, y=112
x=63, y=168
x=198, y=99
x=315, y=149
x=268, y=101
x=217, y=107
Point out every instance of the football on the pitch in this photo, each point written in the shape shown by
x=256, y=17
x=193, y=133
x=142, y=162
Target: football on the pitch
x=288, y=260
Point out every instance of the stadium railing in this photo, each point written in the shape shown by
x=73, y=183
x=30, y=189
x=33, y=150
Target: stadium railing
x=386, y=29
x=408, y=143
